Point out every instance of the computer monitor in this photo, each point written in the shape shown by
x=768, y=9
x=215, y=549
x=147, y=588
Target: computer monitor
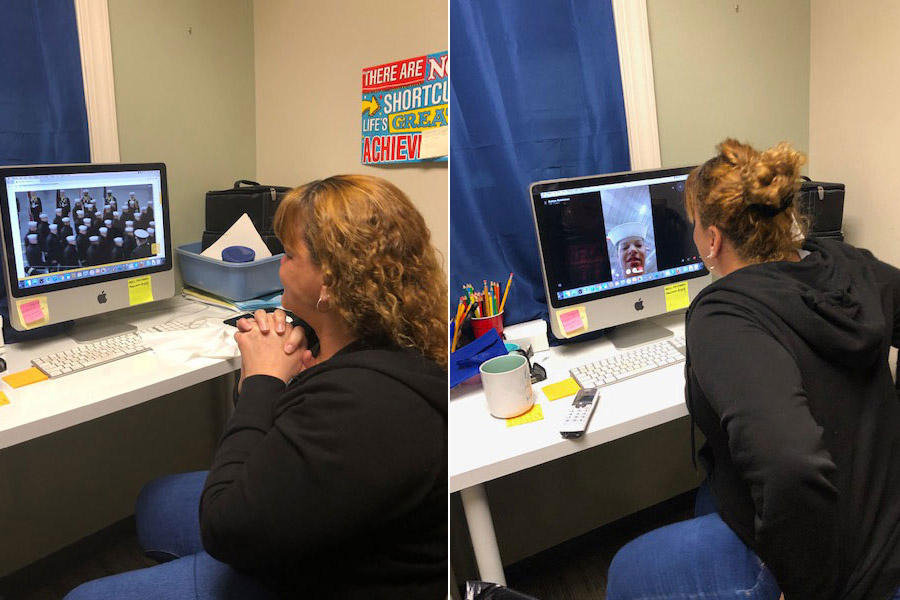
x=84, y=240
x=616, y=249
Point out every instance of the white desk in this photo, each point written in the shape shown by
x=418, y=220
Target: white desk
x=483, y=448
x=49, y=406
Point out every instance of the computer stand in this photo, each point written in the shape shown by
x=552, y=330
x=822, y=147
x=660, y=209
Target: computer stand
x=637, y=333
x=96, y=328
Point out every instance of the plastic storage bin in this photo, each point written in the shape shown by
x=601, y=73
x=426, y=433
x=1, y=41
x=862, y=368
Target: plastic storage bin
x=234, y=281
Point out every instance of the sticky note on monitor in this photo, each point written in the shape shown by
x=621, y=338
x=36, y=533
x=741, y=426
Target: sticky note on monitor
x=139, y=290
x=677, y=296
x=572, y=321
x=3, y=399
x=33, y=312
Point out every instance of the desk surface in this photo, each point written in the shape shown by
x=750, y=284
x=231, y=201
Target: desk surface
x=483, y=448
x=49, y=406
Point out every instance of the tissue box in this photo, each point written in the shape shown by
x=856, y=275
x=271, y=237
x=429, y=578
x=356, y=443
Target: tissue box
x=233, y=281
x=530, y=333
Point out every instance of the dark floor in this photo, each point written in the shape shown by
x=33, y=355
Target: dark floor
x=576, y=569
x=113, y=550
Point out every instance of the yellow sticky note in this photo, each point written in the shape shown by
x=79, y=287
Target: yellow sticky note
x=139, y=290
x=677, y=296
x=561, y=389
x=572, y=321
x=26, y=377
x=33, y=312
x=3, y=399
x=535, y=414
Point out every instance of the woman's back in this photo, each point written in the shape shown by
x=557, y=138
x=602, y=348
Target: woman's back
x=789, y=381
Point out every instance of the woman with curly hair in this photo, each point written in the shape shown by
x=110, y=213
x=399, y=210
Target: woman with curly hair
x=787, y=377
x=330, y=480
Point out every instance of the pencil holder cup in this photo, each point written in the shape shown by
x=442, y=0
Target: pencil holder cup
x=482, y=325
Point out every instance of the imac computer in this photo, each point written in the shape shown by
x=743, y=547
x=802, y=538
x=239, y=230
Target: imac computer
x=615, y=250
x=84, y=240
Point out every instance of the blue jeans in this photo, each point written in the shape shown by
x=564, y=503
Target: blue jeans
x=698, y=558
x=168, y=527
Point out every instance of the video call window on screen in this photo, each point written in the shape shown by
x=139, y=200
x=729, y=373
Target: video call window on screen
x=77, y=226
x=603, y=238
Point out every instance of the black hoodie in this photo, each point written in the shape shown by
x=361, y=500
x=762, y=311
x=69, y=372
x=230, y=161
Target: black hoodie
x=787, y=376
x=336, y=485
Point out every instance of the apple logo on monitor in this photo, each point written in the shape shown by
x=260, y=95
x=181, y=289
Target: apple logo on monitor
x=639, y=305
x=101, y=298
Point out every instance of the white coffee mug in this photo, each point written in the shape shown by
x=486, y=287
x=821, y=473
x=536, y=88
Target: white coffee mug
x=507, y=385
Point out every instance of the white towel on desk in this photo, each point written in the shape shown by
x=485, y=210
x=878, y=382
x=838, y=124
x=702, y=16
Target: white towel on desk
x=209, y=338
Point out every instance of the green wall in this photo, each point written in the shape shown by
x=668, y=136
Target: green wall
x=720, y=72
x=186, y=99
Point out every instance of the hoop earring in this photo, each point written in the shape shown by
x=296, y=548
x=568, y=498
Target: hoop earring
x=710, y=267
x=319, y=302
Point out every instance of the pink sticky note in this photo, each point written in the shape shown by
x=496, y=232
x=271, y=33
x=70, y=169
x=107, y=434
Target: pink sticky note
x=571, y=321
x=31, y=311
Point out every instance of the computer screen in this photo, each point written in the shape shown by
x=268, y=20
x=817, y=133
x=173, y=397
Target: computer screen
x=68, y=228
x=614, y=245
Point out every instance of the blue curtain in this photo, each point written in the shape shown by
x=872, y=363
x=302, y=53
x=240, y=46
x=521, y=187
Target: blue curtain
x=536, y=94
x=43, y=118
x=42, y=112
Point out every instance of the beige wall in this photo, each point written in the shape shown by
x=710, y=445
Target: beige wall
x=187, y=100
x=721, y=73
x=854, y=123
x=309, y=59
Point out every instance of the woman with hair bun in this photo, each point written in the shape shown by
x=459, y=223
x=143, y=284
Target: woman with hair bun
x=788, y=379
x=330, y=479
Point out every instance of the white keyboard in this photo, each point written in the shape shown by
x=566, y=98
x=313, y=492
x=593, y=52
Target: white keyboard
x=85, y=356
x=631, y=363
x=167, y=326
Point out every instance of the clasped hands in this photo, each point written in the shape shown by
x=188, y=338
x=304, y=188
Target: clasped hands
x=270, y=345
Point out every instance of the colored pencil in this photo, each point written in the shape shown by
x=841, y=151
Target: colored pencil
x=506, y=293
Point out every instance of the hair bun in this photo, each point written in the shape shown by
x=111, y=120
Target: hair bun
x=772, y=180
x=736, y=153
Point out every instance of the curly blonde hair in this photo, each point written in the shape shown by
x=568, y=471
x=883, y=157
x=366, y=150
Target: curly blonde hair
x=749, y=195
x=374, y=250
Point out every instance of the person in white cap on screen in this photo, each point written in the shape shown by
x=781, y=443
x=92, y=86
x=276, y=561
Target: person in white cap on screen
x=70, y=254
x=53, y=252
x=118, y=252
x=129, y=243
x=65, y=230
x=105, y=243
x=82, y=242
x=94, y=253
x=629, y=240
x=33, y=251
x=142, y=250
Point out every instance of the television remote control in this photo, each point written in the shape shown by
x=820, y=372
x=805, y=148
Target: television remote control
x=576, y=421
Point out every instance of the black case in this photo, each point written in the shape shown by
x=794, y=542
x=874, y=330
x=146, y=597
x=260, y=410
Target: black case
x=224, y=207
x=824, y=204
